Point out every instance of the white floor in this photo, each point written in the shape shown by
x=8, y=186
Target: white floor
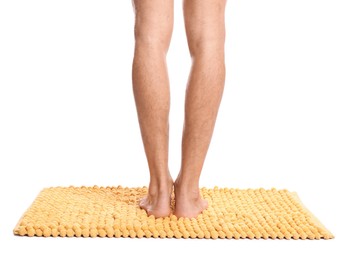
x=41, y=248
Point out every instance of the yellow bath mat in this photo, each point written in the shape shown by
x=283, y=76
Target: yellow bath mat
x=114, y=212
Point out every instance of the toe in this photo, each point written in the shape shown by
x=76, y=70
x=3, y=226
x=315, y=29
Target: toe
x=143, y=203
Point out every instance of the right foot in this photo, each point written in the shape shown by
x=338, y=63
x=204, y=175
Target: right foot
x=158, y=200
x=188, y=201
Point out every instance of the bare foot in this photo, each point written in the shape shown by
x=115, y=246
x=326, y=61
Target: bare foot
x=158, y=200
x=188, y=201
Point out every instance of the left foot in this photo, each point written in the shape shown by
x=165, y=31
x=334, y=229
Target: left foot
x=189, y=202
x=158, y=200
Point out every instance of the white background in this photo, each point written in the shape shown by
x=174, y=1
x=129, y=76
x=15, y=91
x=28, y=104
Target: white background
x=68, y=117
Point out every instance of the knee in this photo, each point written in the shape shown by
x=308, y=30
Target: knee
x=153, y=34
x=205, y=27
x=206, y=42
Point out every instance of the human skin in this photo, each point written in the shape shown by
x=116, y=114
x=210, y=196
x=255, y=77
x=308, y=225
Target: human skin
x=205, y=31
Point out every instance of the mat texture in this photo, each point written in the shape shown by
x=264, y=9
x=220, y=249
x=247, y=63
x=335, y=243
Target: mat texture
x=114, y=212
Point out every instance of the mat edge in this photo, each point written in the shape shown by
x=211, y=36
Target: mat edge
x=16, y=228
x=315, y=219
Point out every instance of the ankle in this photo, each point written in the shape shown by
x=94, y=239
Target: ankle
x=160, y=186
x=187, y=182
x=188, y=188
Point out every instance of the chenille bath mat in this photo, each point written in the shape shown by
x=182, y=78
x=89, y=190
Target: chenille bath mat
x=114, y=212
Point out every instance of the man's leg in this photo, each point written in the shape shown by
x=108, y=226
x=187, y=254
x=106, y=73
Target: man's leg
x=153, y=31
x=205, y=29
